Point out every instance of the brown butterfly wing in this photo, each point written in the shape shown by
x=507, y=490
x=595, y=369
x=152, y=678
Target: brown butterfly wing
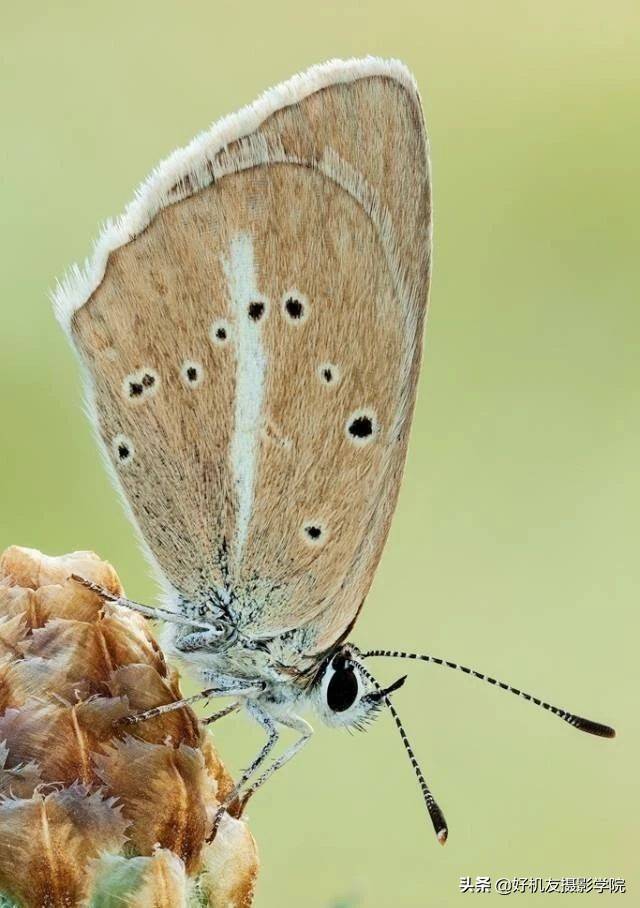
x=263, y=465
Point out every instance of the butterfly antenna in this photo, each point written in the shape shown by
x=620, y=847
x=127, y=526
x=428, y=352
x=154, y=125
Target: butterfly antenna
x=579, y=722
x=435, y=813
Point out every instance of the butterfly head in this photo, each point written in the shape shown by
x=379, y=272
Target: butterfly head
x=346, y=694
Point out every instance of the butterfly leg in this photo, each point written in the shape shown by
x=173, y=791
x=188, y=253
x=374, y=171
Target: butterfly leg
x=224, y=690
x=305, y=730
x=225, y=711
x=263, y=719
x=159, y=614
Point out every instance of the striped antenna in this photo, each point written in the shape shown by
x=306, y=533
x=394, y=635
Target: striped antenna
x=437, y=817
x=579, y=722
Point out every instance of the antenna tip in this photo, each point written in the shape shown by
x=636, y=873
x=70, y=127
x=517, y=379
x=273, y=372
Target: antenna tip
x=442, y=835
x=594, y=728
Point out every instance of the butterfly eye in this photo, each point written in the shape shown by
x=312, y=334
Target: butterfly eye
x=343, y=688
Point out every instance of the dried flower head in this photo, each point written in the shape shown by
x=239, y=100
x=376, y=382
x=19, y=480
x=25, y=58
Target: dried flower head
x=91, y=813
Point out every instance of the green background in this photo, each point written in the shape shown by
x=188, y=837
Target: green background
x=514, y=546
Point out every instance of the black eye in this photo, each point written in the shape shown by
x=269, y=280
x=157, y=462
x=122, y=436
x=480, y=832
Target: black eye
x=342, y=690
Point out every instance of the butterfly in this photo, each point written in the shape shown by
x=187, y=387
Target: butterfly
x=250, y=332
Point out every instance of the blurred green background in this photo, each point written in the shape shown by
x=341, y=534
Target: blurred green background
x=514, y=546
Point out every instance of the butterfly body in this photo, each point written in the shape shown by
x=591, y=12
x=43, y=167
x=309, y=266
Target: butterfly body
x=233, y=653
x=286, y=680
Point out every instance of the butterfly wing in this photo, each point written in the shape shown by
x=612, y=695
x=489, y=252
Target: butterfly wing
x=252, y=332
